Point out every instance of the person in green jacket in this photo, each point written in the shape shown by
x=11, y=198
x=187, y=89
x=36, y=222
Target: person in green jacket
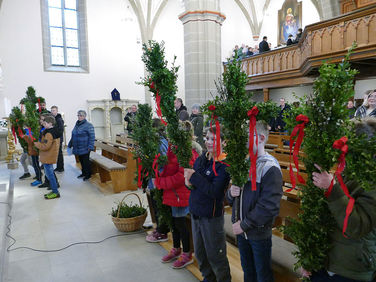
x=353, y=258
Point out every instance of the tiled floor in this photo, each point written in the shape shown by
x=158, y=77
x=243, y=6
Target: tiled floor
x=81, y=214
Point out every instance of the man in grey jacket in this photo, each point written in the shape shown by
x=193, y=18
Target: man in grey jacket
x=258, y=210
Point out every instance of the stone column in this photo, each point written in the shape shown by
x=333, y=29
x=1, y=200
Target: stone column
x=202, y=22
x=330, y=9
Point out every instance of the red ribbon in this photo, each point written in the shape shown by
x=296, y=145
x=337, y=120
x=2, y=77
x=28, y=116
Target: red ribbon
x=140, y=173
x=299, y=128
x=30, y=135
x=156, y=171
x=217, y=136
x=139, y=180
x=253, y=156
x=14, y=135
x=340, y=144
x=158, y=102
x=20, y=133
x=39, y=107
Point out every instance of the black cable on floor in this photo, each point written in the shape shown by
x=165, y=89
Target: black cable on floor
x=66, y=247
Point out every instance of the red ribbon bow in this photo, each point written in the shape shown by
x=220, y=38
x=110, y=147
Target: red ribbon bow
x=340, y=144
x=253, y=156
x=39, y=107
x=217, y=137
x=299, y=128
x=156, y=171
x=158, y=102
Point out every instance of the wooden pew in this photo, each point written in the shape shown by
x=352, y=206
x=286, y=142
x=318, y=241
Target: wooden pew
x=123, y=155
x=109, y=170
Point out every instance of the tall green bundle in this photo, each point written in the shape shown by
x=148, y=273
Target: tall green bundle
x=327, y=113
x=148, y=143
x=17, y=120
x=162, y=83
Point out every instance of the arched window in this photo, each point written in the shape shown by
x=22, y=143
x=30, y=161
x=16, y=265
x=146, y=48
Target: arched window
x=64, y=35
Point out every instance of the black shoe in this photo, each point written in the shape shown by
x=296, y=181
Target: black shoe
x=80, y=176
x=44, y=185
x=86, y=178
x=59, y=170
x=25, y=175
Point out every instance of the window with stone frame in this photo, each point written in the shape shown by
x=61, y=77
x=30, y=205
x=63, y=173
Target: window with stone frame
x=64, y=35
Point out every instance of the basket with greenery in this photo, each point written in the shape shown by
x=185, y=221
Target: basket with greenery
x=128, y=217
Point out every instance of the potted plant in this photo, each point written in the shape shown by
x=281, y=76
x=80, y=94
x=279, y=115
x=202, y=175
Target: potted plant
x=128, y=217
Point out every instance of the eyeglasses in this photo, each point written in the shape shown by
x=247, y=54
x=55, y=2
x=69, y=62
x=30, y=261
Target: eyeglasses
x=80, y=115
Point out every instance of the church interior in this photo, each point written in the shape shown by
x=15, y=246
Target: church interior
x=69, y=63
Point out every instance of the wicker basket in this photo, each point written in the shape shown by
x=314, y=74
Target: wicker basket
x=132, y=223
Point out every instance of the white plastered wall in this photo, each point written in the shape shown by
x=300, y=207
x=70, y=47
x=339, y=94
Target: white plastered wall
x=114, y=55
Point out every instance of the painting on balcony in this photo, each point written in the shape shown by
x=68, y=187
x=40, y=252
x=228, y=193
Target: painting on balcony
x=289, y=20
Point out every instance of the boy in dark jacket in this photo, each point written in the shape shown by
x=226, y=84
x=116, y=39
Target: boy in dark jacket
x=258, y=210
x=206, y=208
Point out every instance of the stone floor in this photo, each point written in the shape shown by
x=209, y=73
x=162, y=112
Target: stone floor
x=81, y=214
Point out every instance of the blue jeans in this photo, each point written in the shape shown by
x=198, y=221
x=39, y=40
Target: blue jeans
x=255, y=257
x=49, y=171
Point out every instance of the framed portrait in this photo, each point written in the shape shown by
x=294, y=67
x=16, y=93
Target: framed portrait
x=289, y=20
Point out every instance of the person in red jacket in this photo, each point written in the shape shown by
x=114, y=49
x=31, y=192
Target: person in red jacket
x=176, y=195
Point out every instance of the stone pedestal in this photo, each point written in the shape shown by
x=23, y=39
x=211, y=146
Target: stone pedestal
x=202, y=22
x=3, y=143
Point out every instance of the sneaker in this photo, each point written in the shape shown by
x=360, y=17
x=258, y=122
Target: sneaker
x=51, y=196
x=25, y=175
x=172, y=254
x=44, y=185
x=59, y=170
x=183, y=260
x=80, y=176
x=36, y=183
x=156, y=237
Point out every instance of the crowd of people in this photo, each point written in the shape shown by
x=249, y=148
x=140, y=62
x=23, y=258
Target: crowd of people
x=245, y=51
x=48, y=149
x=203, y=189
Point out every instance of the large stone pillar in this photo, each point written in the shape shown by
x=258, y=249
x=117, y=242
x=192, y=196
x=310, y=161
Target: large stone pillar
x=202, y=22
x=330, y=9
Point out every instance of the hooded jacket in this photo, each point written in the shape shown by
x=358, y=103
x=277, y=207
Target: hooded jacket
x=172, y=181
x=207, y=197
x=353, y=257
x=49, y=146
x=259, y=208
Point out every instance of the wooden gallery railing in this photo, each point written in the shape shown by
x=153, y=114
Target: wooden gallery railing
x=327, y=40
